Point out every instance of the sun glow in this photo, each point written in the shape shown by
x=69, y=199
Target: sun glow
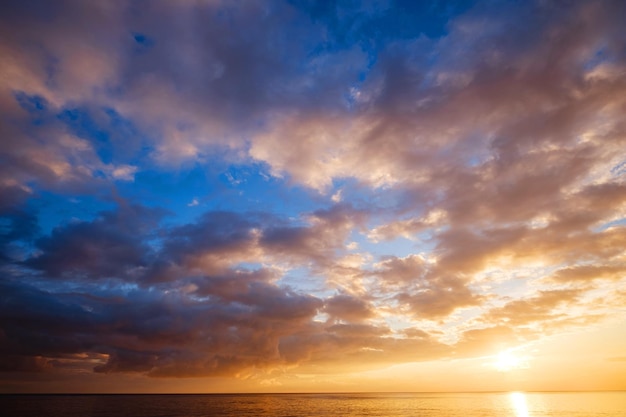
x=507, y=361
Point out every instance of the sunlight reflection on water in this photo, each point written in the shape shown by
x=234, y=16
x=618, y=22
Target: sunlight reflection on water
x=518, y=400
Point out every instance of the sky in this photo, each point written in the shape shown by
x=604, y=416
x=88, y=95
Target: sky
x=289, y=196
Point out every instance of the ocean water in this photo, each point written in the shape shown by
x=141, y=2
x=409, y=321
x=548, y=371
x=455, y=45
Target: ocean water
x=587, y=404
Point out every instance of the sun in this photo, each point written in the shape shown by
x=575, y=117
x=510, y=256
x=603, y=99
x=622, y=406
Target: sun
x=507, y=361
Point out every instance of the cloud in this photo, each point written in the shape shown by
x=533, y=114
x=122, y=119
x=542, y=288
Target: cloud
x=488, y=339
x=256, y=325
x=108, y=247
x=19, y=227
x=348, y=308
x=124, y=172
x=541, y=308
x=407, y=228
x=221, y=240
x=589, y=272
x=491, y=143
x=422, y=289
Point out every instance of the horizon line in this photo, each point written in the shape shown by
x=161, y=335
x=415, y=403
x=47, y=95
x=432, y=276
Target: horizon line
x=320, y=392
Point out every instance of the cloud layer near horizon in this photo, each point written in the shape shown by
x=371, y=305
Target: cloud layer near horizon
x=365, y=187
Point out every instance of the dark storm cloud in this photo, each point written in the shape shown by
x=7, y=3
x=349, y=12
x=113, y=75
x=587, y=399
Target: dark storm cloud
x=207, y=318
x=220, y=239
x=110, y=246
x=129, y=243
x=18, y=226
x=148, y=331
x=184, y=334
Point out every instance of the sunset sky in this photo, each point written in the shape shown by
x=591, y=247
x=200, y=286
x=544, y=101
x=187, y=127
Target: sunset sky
x=282, y=196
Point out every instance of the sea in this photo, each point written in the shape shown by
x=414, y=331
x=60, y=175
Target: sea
x=513, y=404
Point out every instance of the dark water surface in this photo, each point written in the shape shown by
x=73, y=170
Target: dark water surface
x=587, y=404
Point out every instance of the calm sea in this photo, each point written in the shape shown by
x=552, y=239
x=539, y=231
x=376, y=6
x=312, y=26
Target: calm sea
x=605, y=404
